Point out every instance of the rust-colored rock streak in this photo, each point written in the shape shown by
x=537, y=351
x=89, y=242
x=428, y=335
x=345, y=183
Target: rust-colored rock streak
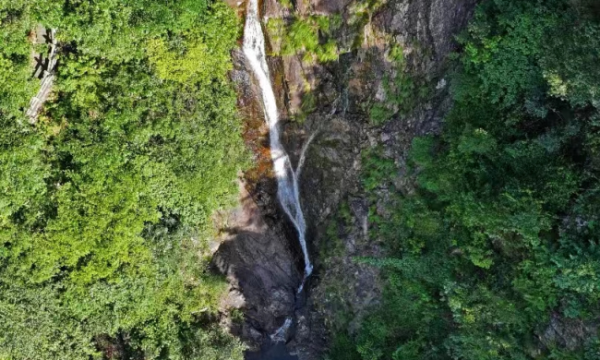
x=287, y=181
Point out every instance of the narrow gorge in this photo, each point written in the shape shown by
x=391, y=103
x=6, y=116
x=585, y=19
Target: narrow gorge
x=287, y=178
x=319, y=112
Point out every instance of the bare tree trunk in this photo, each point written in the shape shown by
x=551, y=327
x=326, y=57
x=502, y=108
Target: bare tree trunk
x=47, y=81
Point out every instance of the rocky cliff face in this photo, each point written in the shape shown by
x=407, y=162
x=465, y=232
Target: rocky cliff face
x=388, y=86
x=256, y=248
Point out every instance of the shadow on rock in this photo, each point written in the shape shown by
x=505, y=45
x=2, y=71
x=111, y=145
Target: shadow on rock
x=271, y=352
x=260, y=268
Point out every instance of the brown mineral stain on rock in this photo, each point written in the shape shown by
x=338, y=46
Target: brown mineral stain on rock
x=342, y=91
x=254, y=250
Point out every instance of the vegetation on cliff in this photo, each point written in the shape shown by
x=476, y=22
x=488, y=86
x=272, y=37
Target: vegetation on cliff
x=309, y=36
x=106, y=199
x=495, y=255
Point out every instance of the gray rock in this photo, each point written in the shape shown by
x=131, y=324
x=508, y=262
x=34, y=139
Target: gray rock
x=259, y=264
x=258, y=253
x=568, y=333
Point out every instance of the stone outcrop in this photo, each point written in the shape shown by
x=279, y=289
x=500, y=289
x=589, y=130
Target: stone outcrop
x=260, y=255
x=425, y=31
x=260, y=268
x=567, y=333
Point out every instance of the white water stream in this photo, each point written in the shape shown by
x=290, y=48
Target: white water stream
x=287, y=179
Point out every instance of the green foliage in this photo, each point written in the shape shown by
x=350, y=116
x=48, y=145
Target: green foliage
x=400, y=90
x=501, y=232
x=16, y=84
x=106, y=202
x=309, y=35
x=178, y=59
x=342, y=348
x=379, y=114
x=376, y=169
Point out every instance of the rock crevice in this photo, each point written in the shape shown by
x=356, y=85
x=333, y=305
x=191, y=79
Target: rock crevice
x=259, y=255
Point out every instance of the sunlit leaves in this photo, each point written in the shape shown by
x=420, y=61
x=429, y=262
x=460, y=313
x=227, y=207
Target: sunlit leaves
x=106, y=200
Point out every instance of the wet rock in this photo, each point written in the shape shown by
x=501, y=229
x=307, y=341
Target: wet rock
x=258, y=252
x=261, y=269
x=271, y=352
x=425, y=31
x=296, y=82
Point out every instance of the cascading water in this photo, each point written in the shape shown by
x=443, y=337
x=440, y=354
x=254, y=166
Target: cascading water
x=287, y=180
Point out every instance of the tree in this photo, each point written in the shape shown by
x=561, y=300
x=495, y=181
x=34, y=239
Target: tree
x=502, y=230
x=107, y=199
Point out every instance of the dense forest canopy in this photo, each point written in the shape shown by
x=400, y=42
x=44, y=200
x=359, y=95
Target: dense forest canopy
x=498, y=248
x=106, y=198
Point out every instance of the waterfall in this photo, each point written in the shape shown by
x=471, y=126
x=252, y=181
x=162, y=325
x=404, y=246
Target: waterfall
x=280, y=334
x=287, y=179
